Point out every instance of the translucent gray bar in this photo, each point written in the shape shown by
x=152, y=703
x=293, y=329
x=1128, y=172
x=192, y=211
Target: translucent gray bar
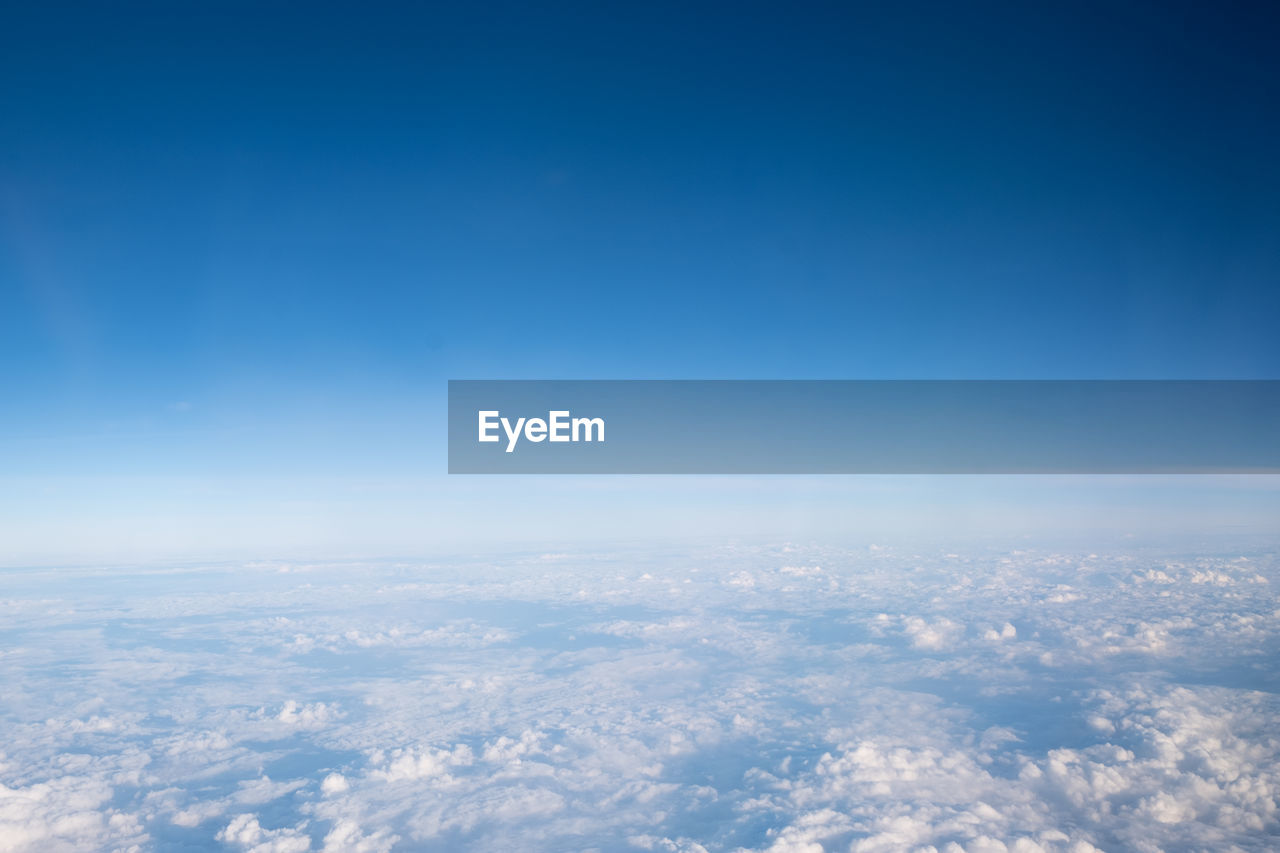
x=866, y=427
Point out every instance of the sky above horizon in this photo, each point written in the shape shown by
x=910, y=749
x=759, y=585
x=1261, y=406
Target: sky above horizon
x=242, y=248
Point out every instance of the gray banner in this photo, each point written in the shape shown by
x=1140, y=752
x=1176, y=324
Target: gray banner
x=862, y=427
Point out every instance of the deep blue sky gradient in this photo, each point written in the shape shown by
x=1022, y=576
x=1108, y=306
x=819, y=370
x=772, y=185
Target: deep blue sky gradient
x=247, y=238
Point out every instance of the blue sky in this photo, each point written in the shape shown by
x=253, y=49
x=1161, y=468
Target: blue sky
x=242, y=248
x=244, y=245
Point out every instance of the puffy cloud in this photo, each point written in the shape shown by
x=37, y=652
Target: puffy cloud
x=419, y=763
x=334, y=783
x=936, y=636
x=809, y=832
x=346, y=837
x=66, y=813
x=245, y=832
x=309, y=716
x=1006, y=632
x=666, y=845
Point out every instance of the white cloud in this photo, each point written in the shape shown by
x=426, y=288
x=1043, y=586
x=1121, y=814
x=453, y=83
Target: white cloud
x=346, y=837
x=938, y=635
x=65, y=813
x=309, y=716
x=334, y=783
x=245, y=832
x=417, y=763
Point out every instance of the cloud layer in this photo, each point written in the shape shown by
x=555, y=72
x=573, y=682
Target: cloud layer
x=736, y=699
